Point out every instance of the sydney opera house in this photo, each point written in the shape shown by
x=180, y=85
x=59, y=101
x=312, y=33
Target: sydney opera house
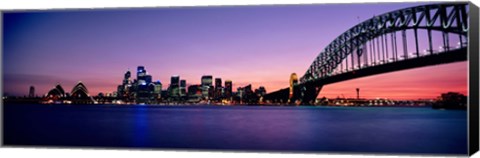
x=78, y=95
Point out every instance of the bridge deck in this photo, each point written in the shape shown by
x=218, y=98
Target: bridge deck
x=415, y=62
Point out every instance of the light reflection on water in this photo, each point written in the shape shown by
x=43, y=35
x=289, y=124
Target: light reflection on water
x=140, y=126
x=317, y=129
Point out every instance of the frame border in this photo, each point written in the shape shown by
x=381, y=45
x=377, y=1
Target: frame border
x=473, y=65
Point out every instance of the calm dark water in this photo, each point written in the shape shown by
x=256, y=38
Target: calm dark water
x=302, y=129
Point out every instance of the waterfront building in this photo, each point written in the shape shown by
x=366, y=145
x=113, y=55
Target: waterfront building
x=164, y=94
x=194, y=93
x=245, y=95
x=126, y=78
x=157, y=91
x=239, y=95
x=175, y=80
x=142, y=87
x=119, y=90
x=80, y=95
x=79, y=91
x=248, y=94
x=140, y=72
x=228, y=89
x=183, y=88
x=206, y=86
x=174, y=88
x=152, y=97
x=211, y=92
x=124, y=90
x=261, y=91
x=56, y=92
x=148, y=79
x=218, y=88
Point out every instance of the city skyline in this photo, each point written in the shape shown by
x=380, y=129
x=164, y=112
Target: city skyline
x=258, y=45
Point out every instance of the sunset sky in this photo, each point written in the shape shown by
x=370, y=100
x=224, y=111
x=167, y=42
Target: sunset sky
x=258, y=45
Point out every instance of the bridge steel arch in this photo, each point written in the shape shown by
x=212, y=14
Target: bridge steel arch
x=447, y=18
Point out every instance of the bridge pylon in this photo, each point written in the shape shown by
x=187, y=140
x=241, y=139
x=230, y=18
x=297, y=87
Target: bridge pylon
x=309, y=92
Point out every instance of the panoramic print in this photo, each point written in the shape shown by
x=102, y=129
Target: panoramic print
x=336, y=78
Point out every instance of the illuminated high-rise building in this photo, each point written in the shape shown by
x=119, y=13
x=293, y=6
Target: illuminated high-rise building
x=174, y=80
x=206, y=80
x=246, y=94
x=157, y=90
x=218, y=88
x=240, y=92
x=142, y=76
x=126, y=78
x=144, y=87
x=124, y=89
x=206, y=86
x=174, y=88
x=148, y=79
x=218, y=82
x=183, y=88
x=195, y=91
x=248, y=89
x=141, y=72
x=228, y=89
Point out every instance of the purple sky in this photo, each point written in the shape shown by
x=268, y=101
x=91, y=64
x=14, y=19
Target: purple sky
x=261, y=45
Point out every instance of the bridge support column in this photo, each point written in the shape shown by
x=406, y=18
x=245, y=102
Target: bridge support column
x=309, y=93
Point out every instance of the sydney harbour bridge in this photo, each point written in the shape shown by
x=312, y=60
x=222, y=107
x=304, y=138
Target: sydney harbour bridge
x=398, y=40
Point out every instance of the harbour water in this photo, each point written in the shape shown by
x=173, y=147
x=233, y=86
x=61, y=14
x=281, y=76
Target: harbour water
x=413, y=130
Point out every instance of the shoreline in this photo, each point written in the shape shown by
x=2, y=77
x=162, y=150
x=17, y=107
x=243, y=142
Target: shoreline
x=235, y=105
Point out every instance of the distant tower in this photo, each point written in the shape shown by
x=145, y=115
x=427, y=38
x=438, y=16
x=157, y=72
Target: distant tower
x=358, y=93
x=31, y=93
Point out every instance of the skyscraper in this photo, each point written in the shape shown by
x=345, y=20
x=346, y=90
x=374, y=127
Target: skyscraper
x=248, y=96
x=206, y=85
x=174, y=88
x=144, y=86
x=228, y=89
x=124, y=89
x=218, y=82
x=218, y=88
x=142, y=76
x=174, y=80
x=140, y=72
x=183, y=88
x=206, y=80
x=148, y=79
x=194, y=92
x=158, y=90
x=126, y=77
